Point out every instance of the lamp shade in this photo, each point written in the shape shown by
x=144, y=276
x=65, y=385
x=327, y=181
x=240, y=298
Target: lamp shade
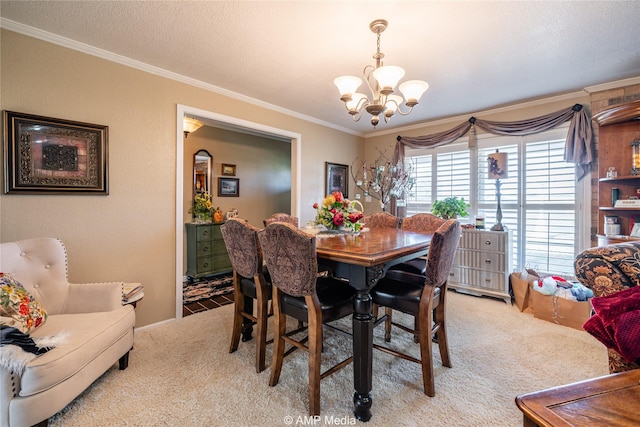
x=498, y=165
x=191, y=125
x=355, y=103
x=393, y=102
x=413, y=90
x=347, y=85
x=388, y=76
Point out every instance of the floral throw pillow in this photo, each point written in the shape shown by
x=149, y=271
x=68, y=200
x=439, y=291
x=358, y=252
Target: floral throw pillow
x=17, y=307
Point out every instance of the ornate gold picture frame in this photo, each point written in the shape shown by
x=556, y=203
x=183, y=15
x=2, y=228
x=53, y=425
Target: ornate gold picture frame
x=44, y=155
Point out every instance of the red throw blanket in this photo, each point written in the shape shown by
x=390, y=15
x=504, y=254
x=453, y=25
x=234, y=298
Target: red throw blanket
x=616, y=322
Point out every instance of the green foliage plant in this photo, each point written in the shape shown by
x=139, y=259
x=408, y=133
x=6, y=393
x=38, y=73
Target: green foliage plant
x=451, y=207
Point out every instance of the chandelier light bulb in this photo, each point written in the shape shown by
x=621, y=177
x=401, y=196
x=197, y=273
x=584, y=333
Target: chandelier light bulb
x=413, y=90
x=347, y=85
x=392, y=105
x=354, y=104
x=388, y=77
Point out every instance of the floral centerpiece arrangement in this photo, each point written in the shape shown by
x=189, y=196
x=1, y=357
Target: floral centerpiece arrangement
x=336, y=213
x=202, y=207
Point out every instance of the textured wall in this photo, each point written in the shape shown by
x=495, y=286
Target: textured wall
x=129, y=235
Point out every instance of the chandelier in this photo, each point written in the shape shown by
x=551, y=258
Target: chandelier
x=381, y=79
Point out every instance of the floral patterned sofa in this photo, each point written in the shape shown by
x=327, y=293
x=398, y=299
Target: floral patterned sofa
x=607, y=270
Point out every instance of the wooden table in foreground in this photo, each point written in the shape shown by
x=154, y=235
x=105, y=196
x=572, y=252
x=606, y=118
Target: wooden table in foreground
x=612, y=400
x=364, y=259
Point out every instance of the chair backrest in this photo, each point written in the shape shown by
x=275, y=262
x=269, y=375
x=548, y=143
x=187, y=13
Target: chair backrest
x=281, y=217
x=442, y=252
x=40, y=265
x=241, y=240
x=381, y=220
x=422, y=223
x=290, y=255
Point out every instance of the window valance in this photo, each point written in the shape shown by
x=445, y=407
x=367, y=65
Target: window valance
x=578, y=148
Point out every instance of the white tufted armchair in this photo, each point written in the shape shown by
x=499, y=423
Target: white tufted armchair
x=98, y=331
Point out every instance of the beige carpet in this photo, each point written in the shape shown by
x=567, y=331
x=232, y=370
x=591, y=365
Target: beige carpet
x=181, y=374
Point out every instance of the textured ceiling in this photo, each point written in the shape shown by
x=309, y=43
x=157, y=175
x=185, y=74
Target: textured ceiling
x=474, y=55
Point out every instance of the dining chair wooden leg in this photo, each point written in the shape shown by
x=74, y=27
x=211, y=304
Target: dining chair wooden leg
x=441, y=333
x=248, y=321
x=280, y=325
x=238, y=304
x=315, y=347
x=425, y=321
x=261, y=326
x=387, y=324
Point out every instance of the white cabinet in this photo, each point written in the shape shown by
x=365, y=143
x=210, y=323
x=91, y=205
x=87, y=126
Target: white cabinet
x=482, y=263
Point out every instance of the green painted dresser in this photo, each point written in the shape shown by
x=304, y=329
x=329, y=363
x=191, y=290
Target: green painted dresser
x=206, y=253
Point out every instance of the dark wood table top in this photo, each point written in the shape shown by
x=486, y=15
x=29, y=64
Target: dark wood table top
x=611, y=400
x=373, y=247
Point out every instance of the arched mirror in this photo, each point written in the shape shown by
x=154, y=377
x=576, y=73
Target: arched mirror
x=202, y=164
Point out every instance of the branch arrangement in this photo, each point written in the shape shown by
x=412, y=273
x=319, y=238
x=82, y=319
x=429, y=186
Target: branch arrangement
x=383, y=179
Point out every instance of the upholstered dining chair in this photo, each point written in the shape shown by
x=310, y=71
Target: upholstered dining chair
x=424, y=298
x=419, y=223
x=381, y=220
x=299, y=292
x=281, y=217
x=249, y=284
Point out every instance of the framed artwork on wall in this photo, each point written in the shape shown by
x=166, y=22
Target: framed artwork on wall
x=228, y=187
x=229, y=170
x=44, y=155
x=337, y=178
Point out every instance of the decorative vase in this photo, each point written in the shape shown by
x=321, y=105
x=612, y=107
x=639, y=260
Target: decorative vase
x=202, y=218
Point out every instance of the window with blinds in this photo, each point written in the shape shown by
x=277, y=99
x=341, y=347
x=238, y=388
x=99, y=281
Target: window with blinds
x=538, y=199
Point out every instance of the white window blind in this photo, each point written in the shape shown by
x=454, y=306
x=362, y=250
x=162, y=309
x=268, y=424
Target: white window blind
x=538, y=199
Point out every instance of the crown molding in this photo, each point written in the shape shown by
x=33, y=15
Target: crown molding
x=123, y=60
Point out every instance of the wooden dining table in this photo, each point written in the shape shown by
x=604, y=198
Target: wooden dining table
x=363, y=259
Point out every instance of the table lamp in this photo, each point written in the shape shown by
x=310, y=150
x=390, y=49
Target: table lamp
x=498, y=170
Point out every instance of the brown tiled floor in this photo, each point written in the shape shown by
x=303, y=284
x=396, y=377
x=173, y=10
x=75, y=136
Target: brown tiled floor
x=207, y=304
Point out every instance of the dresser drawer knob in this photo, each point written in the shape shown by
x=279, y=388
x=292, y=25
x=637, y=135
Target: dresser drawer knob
x=487, y=261
x=487, y=242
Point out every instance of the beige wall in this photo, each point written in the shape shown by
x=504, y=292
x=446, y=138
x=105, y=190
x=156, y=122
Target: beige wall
x=263, y=167
x=129, y=235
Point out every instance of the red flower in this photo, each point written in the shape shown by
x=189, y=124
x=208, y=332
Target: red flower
x=338, y=219
x=315, y=205
x=355, y=216
x=24, y=309
x=338, y=196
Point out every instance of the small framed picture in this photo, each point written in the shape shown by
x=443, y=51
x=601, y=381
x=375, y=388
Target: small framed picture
x=228, y=187
x=337, y=177
x=45, y=155
x=228, y=170
x=635, y=231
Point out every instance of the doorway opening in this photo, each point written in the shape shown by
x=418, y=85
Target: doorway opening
x=237, y=125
